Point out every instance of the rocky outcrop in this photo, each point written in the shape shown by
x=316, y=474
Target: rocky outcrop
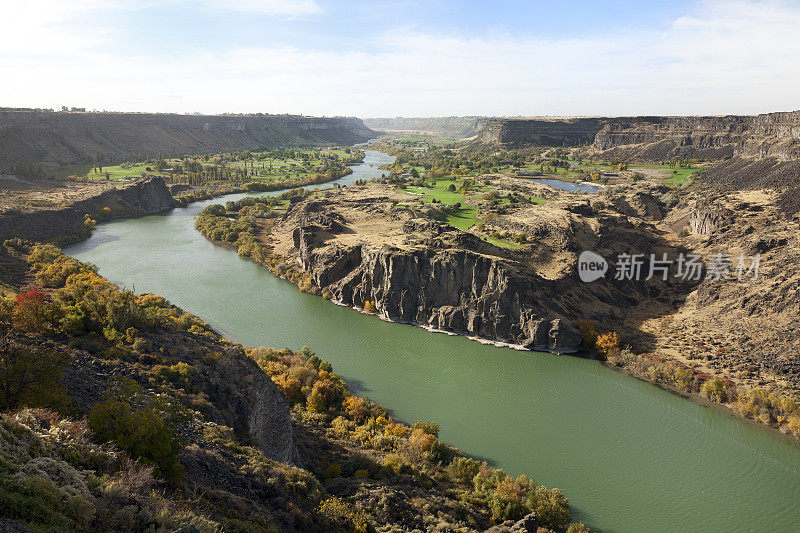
x=753, y=174
x=707, y=219
x=256, y=404
x=757, y=136
x=141, y=197
x=527, y=524
x=448, y=288
x=240, y=395
x=51, y=140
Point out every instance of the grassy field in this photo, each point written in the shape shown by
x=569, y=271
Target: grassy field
x=118, y=171
x=676, y=175
x=681, y=174
x=467, y=216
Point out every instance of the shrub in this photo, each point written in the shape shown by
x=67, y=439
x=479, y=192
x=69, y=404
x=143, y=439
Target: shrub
x=552, y=507
x=431, y=428
x=464, y=469
x=509, y=499
x=793, y=424
x=342, y=513
x=341, y=426
x=356, y=408
x=421, y=440
x=315, y=402
x=396, y=429
x=33, y=310
x=179, y=374
x=394, y=465
x=717, y=389
x=31, y=376
x=608, y=343
x=142, y=433
x=333, y=470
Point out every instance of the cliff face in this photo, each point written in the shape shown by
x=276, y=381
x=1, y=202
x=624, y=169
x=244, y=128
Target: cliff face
x=759, y=136
x=518, y=132
x=447, y=289
x=142, y=197
x=656, y=138
x=240, y=395
x=55, y=140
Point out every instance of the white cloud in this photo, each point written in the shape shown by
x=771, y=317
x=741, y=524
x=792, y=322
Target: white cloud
x=720, y=57
x=270, y=7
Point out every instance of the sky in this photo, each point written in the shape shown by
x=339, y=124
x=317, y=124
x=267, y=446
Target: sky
x=386, y=58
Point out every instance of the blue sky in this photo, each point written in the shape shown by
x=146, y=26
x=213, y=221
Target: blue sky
x=404, y=57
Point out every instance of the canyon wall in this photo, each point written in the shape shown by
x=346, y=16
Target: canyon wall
x=521, y=132
x=455, y=127
x=60, y=139
x=657, y=138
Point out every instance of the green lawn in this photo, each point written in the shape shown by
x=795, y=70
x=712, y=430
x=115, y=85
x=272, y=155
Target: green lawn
x=677, y=175
x=466, y=217
x=116, y=172
x=681, y=175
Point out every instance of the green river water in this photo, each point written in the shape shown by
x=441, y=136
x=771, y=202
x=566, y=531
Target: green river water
x=628, y=455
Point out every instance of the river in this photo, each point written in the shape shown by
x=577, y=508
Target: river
x=628, y=455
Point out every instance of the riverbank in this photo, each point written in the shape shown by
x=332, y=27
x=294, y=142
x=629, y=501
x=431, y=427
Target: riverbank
x=354, y=455
x=66, y=212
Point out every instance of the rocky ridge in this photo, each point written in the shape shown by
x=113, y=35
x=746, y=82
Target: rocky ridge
x=60, y=213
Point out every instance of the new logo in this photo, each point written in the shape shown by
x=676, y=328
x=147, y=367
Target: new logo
x=591, y=266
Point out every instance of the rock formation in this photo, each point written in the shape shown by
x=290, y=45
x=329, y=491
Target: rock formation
x=439, y=287
x=66, y=219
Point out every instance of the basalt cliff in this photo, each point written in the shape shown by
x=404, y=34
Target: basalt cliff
x=771, y=135
x=53, y=140
x=61, y=213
